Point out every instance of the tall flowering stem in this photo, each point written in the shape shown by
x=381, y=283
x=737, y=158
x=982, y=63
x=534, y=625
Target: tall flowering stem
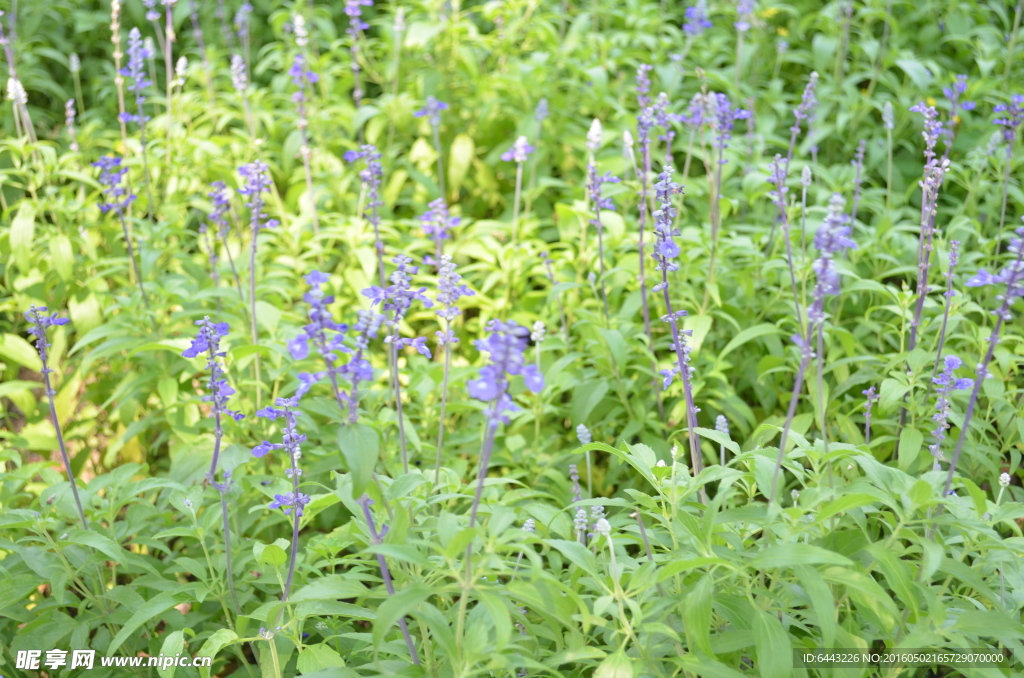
x=358, y=368
x=437, y=224
x=722, y=119
x=803, y=113
x=396, y=299
x=954, y=256
x=169, y=71
x=15, y=90
x=257, y=182
x=69, y=122
x=197, y=34
x=598, y=202
x=550, y=271
x=208, y=341
x=519, y=154
x=432, y=111
x=888, y=123
x=240, y=81
x=291, y=502
x=870, y=398
x=136, y=72
x=40, y=321
x=644, y=124
x=946, y=382
x=934, y=172
x=220, y=196
x=666, y=250
x=385, y=572
x=450, y=290
x=302, y=77
x=1013, y=116
x=115, y=38
x=831, y=240
x=371, y=176
x=858, y=167
x=505, y=344
x=118, y=198
x=324, y=334
x=1012, y=276
x=777, y=177
x=356, y=26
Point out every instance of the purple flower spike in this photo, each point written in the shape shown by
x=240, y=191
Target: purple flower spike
x=118, y=197
x=946, y=382
x=324, y=334
x=135, y=71
x=504, y=344
x=643, y=85
x=697, y=19
x=520, y=151
x=432, y=110
x=1012, y=119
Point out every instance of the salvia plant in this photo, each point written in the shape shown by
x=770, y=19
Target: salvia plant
x=437, y=428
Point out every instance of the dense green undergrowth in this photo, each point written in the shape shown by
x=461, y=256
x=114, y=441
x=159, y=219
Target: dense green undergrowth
x=477, y=529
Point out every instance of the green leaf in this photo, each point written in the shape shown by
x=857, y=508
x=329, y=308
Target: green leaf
x=214, y=644
x=330, y=587
x=910, y=446
x=105, y=545
x=822, y=602
x=844, y=503
x=791, y=555
x=397, y=606
x=576, y=553
x=23, y=230
x=174, y=643
x=746, y=335
x=772, y=646
x=460, y=156
x=62, y=257
x=151, y=608
x=17, y=350
x=317, y=657
x=697, y=614
x=615, y=665
x=274, y=556
x=360, y=445
x=718, y=438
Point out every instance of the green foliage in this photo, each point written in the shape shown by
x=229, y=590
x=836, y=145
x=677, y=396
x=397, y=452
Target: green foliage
x=864, y=550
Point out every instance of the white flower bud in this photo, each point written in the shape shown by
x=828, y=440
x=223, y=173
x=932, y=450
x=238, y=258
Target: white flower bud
x=1004, y=480
x=594, y=136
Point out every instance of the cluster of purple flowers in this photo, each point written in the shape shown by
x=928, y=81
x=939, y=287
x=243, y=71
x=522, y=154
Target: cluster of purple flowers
x=946, y=382
x=697, y=19
x=643, y=85
x=302, y=77
x=665, y=249
x=135, y=71
x=520, y=151
x=505, y=343
x=745, y=9
x=358, y=368
x=257, y=182
x=432, y=110
x=450, y=290
x=831, y=240
x=287, y=409
x=437, y=224
x=208, y=341
x=1013, y=116
x=40, y=322
x=1012, y=276
x=111, y=176
x=371, y=176
x=322, y=332
x=723, y=120
x=397, y=298
x=239, y=73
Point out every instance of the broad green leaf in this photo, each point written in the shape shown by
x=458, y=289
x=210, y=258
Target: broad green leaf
x=576, y=553
x=772, y=646
x=150, y=609
x=616, y=665
x=174, y=643
x=397, y=606
x=746, y=335
x=697, y=614
x=910, y=446
x=329, y=587
x=16, y=349
x=460, y=156
x=214, y=644
x=23, y=229
x=791, y=555
x=360, y=445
